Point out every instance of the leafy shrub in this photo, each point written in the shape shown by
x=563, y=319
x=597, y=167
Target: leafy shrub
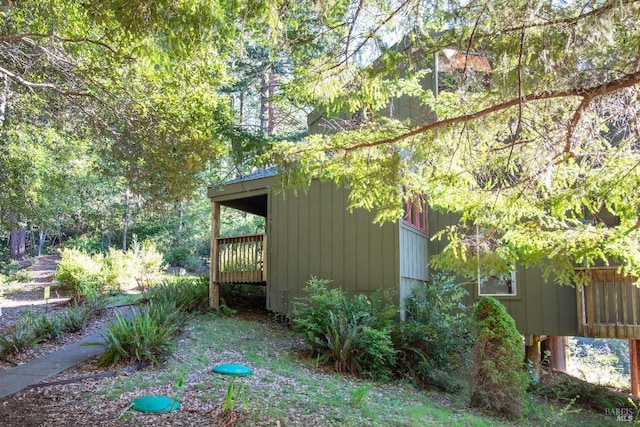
x=21, y=276
x=86, y=243
x=182, y=256
x=77, y=317
x=80, y=272
x=148, y=263
x=116, y=270
x=352, y=333
x=146, y=337
x=9, y=267
x=189, y=294
x=77, y=268
x=47, y=328
x=499, y=380
x=434, y=340
x=20, y=337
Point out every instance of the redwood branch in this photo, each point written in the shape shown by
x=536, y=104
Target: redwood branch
x=573, y=122
x=628, y=80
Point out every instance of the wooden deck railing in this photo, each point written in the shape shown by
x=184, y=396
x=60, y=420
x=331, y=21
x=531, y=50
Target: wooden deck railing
x=241, y=259
x=608, y=306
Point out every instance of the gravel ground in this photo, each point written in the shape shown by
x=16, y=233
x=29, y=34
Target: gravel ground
x=73, y=398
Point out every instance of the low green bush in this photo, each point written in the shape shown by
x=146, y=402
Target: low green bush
x=47, y=327
x=77, y=317
x=116, y=270
x=76, y=268
x=147, y=263
x=146, y=337
x=188, y=293
x=354, y=334
x=20, y=337
x=499, y=380
x=434, y=340
x=79, y=271
x=365, y=336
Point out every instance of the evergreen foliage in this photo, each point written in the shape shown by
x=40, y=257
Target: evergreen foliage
x=434, y=340
x=364, y=335
x=146, y=337
x=498, y=377
x=149, y=334
x=353, y=334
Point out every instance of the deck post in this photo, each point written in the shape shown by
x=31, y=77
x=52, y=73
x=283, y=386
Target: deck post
x=532, y=351
x=214, y=286
x=557, y=347
x=634, y=364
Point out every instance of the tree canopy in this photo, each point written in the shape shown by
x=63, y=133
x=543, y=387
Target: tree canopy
x=539, y=157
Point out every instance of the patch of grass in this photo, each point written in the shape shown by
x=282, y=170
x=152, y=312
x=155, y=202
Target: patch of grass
x=285, y=388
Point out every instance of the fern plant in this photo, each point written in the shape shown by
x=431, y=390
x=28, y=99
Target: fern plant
x=352, y=333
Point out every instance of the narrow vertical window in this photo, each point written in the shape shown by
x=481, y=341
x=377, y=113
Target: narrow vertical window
x=415, y=213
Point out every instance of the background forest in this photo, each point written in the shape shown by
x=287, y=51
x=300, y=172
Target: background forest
x=115, y=117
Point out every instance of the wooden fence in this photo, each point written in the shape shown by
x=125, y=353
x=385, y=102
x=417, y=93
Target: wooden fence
x=242, y=259
x=608, y=304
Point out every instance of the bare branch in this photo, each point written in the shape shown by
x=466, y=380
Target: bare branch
x=573, y=122
x=33, y=85
x=53, y=36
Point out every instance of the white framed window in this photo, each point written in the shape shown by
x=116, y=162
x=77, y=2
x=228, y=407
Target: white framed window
x=498, y=285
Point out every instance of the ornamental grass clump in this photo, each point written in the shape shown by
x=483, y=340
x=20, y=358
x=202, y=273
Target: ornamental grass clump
x=77, y=317
x=147, y=337
x=499, y=380
x=189, y=294
x=20, y=337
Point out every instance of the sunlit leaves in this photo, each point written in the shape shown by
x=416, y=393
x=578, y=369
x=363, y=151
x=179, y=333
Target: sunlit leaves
x=539, y=158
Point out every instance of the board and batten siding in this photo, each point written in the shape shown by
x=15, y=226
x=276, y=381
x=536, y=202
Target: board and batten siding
x=539, y=308
x=414, y=255
x=313, y=234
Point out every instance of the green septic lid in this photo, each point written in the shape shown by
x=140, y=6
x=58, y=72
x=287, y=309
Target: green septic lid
x=232, y=369
x=155, y=404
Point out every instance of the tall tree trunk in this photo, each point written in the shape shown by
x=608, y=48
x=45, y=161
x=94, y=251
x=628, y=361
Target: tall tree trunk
x=125, y=222
x=3, y=99
x=17, y=240
x=42, y=238
x=264, y=100
x=179, y=224
x=270, y=105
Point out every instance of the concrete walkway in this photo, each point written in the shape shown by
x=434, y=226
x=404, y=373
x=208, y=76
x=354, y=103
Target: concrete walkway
x=22, y=376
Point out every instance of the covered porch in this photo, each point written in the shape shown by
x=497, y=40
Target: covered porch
x=608, y=307
x=239, y=259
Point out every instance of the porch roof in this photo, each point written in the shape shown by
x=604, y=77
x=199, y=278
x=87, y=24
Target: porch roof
x=248, y=193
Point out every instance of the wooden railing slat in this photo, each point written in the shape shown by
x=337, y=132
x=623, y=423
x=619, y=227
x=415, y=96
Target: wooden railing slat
x=610, y=304
x=241, y=259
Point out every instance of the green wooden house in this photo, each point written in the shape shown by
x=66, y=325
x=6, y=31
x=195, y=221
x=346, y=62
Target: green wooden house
x=313, y=234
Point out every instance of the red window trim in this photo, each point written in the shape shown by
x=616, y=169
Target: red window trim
x=416, y=213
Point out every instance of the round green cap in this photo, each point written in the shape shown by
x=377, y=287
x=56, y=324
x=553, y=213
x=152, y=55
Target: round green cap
x=155, y=404
x=232, y=369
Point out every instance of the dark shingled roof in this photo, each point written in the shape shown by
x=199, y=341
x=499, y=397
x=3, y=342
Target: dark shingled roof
x=262, y=173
